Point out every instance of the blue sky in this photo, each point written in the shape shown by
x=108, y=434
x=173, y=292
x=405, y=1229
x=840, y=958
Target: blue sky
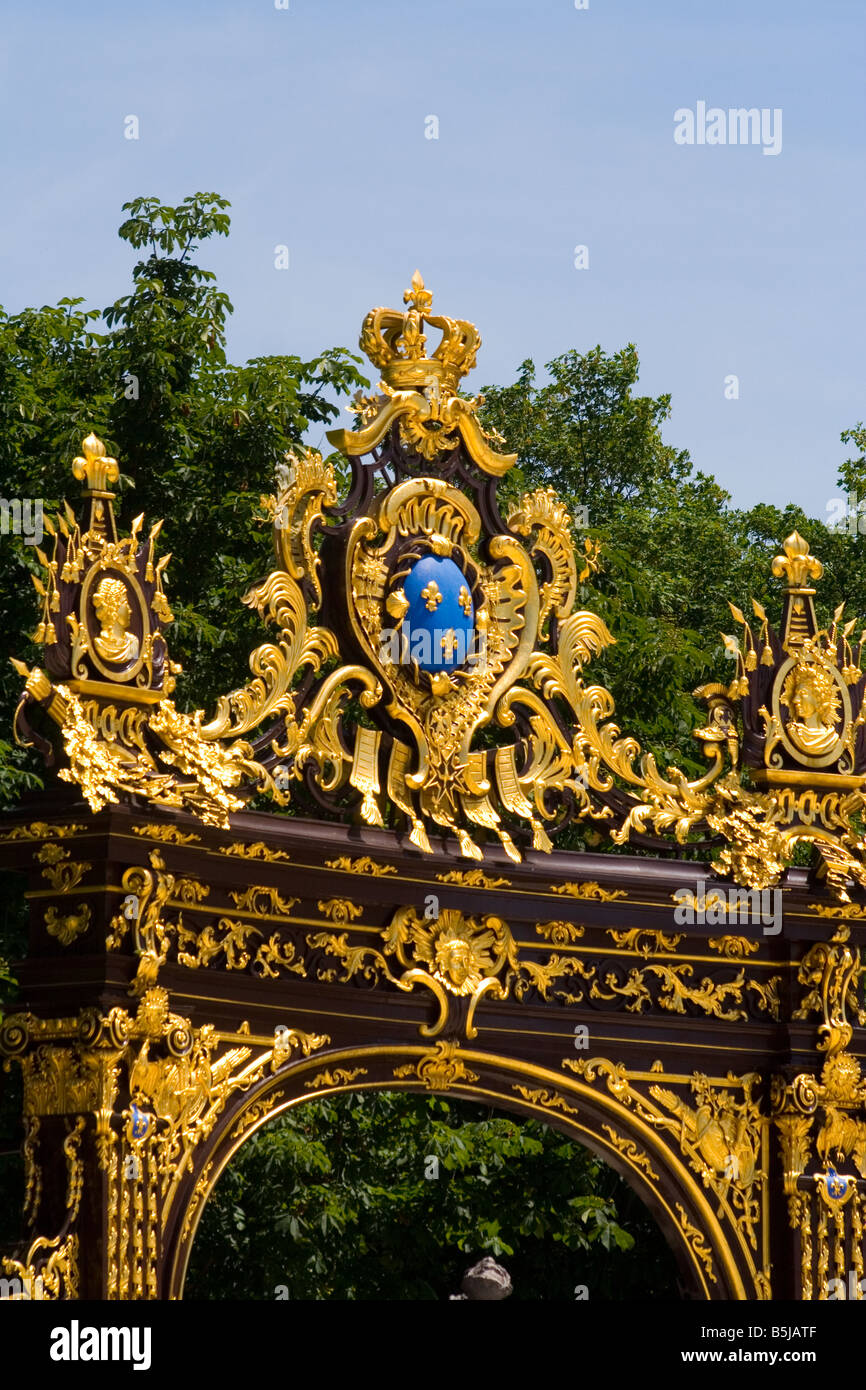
x=555, y=130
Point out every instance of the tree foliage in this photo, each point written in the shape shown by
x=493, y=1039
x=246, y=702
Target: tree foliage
x=383, y=1195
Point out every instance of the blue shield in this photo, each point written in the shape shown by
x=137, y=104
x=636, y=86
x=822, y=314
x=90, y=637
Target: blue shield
x=439, y=622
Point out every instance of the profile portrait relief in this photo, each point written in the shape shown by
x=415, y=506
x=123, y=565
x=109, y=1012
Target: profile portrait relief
x=814, y=708
x=114, y=642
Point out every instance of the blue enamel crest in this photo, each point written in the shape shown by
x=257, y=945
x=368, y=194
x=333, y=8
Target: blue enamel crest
x=835, y=1184
x=140, y=1122
x=440, y=618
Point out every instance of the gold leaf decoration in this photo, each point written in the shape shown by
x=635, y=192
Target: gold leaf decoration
x=339, y=1076
x=549, y=1100
x=559, y=933
x=645, y=941
x=339, y=910
x=365, y=865
x=589, y=891
x=439, y=1068
x=67, y=926
x=473, y=878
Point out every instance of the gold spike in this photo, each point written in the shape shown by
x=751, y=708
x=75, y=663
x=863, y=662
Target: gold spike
x=42, y=558
x=38, y=585
x=739, y=616
x=20, y=667
x=48, y=525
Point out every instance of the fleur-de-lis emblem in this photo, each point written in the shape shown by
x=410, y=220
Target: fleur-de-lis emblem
x=464, y=600
x=449, y=642
x=432, y=596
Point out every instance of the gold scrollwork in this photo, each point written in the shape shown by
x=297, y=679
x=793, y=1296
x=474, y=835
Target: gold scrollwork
x=559, y=933
x=365, y=865
x=547, y=1099
x=168, y=834
x=588, y=891
x=644, y=941
x=473, y=878
x=261, y=901
x=259, y=850
x=733, y=947
x=59, y=871
x=339, y=1076
x=668, y=987
x=440, y=1068
x=256, y=1112
x=339, y=910
x=67, y=926
x=629, y=1150
x=696, y=1241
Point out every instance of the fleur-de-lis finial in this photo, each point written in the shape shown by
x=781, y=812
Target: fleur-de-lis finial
x=416, y=295
x=96, y=469
x=797, y=564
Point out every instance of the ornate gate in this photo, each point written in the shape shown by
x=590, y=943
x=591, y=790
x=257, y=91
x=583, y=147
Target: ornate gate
x=195, y=968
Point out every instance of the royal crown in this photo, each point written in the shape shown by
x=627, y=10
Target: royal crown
x=395, y=343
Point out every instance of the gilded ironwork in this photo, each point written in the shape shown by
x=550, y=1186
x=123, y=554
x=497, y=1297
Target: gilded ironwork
x=67, y=926
x=60, y=870
x=424, y=678
x=547, y=1099
x=339, y=1076
x=644, y=941
x=439, y=1068
x=153, y=1087
x=454, y=956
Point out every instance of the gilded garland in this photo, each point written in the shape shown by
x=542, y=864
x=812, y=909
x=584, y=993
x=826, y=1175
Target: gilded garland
x=427, y=664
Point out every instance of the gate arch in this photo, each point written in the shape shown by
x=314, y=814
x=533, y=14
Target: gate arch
x=658, y=1177
x=426, y=696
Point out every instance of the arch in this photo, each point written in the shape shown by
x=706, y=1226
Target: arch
x=599, y=1121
